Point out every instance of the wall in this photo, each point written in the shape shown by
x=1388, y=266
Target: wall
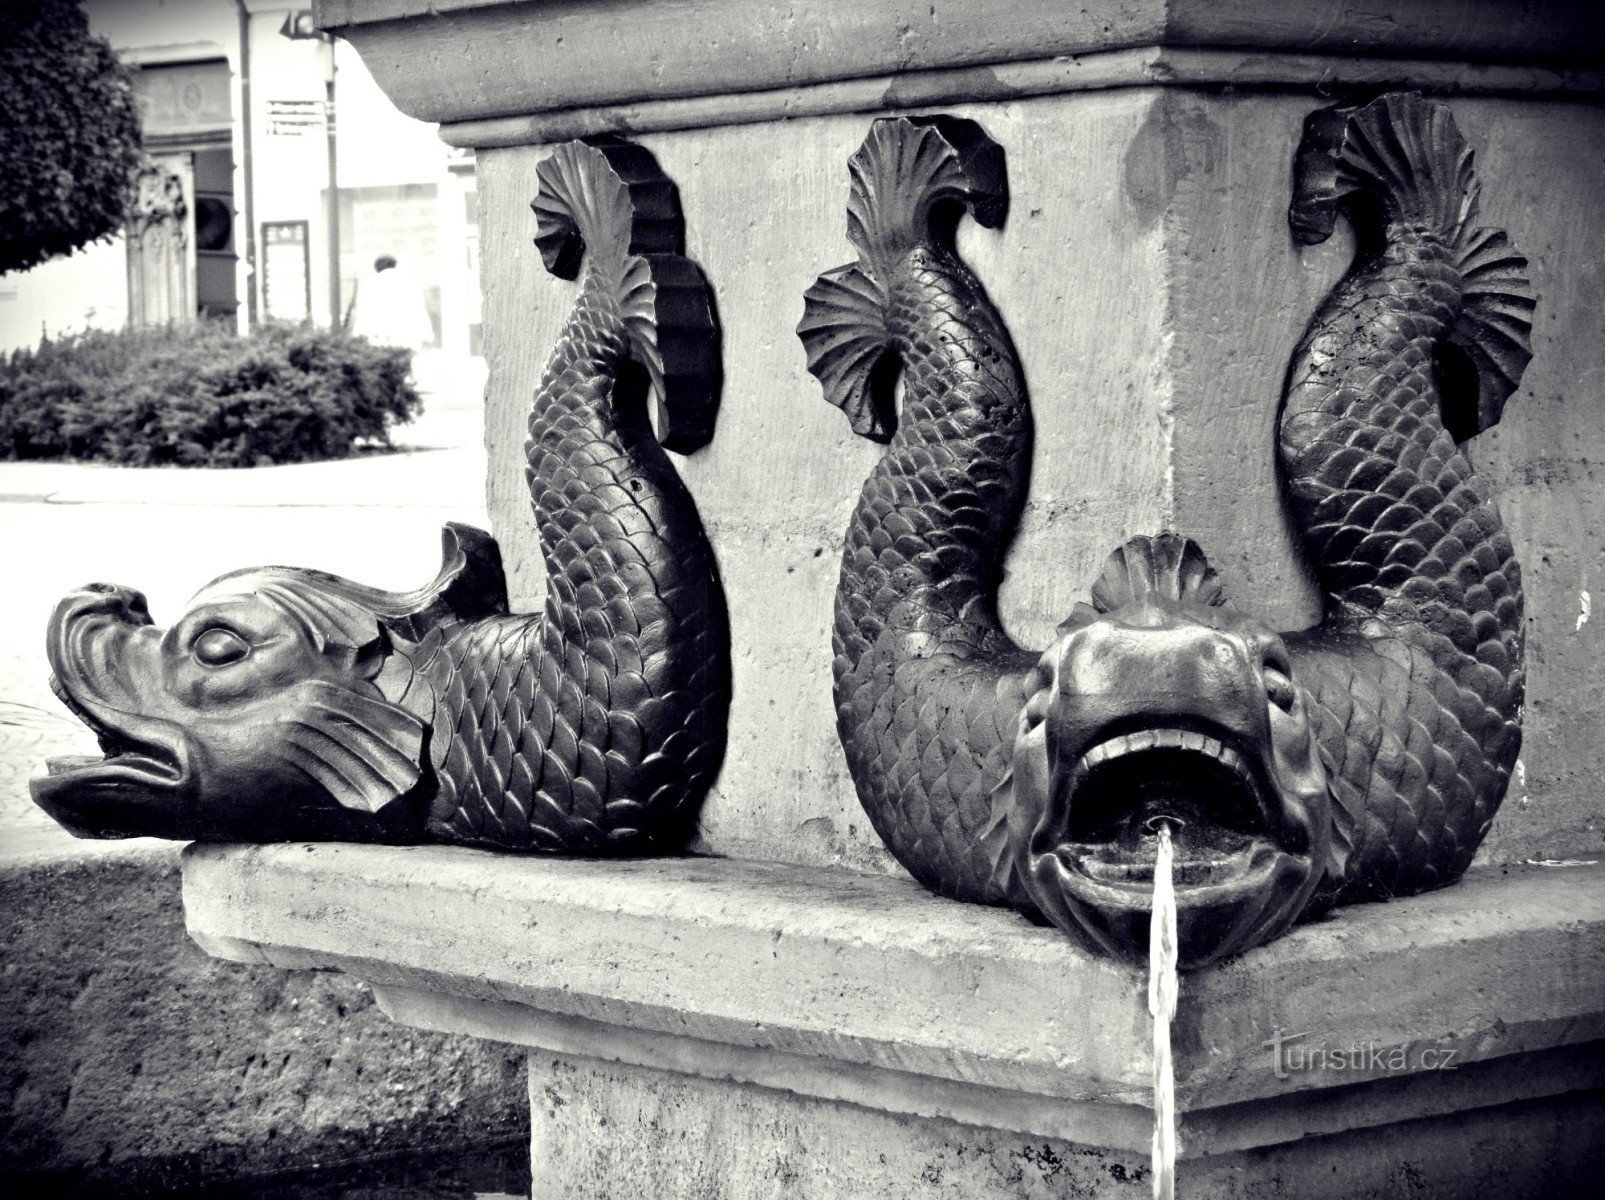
x=1151, y=286
x=379, y=149
x=87, y=290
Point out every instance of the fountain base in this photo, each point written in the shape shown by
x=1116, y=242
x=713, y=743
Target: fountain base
x=705, y=1027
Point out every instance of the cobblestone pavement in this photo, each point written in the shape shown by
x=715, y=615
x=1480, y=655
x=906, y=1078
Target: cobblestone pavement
x=375, y=519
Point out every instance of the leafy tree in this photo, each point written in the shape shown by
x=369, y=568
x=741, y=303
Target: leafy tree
x=69, y=133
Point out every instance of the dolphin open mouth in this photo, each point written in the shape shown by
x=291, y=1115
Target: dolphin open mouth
x=136, y=790
x=127, y=764
x=139, y=785
x=141, y=751
x=1224, y=815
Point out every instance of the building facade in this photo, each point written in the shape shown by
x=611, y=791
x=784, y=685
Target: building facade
x=280, y=172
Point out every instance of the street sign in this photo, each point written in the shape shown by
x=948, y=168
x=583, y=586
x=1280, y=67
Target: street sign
x=294, y=118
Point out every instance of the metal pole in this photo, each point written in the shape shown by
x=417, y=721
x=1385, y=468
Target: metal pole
x=334, y=190
x=248, y=175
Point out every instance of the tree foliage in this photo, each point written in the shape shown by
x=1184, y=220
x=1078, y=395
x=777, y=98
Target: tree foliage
x=69, y=133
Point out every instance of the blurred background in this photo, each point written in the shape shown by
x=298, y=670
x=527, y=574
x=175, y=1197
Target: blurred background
x=295, y=174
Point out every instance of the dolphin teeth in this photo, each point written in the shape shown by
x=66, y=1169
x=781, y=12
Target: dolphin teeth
x=1103, y=812
x=1165, y=739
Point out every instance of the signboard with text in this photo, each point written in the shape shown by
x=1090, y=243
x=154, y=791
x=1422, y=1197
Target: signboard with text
x=294, y=118
x=286, y=270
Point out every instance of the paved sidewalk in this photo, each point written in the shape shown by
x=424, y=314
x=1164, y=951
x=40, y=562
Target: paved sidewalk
x=168, y=531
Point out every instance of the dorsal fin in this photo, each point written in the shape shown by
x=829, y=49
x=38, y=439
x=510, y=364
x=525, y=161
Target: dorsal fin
x=469, y=585
x=1165, y=567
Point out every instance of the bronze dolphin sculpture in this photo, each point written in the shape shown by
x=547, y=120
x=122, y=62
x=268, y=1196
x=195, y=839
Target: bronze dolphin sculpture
x=292, y=704
x=1359, y=759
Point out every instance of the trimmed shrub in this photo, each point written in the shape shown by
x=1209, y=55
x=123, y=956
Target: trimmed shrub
x=200, y=396
x=69, y=133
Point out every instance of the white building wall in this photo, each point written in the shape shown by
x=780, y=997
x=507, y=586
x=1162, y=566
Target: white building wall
x=88, y=290
x=394, y=166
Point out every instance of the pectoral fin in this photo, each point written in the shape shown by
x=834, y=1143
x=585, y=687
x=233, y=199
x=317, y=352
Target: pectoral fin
x=364, y=751
x=1018, y=800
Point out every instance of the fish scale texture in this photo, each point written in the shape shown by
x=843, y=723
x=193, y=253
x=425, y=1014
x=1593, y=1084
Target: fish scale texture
x=594, y=725
x=928, y=687
x=1415, y=676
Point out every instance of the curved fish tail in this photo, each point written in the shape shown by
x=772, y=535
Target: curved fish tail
x=910, y=179
x=1400, y=161
x=606, y=202
x=598, y=724
x=1416, y=675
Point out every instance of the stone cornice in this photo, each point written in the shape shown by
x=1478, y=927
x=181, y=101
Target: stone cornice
x=1146, y=66
x=519, y=59
x=867, y=989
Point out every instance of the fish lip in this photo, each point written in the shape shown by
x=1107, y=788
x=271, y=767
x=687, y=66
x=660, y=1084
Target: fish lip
x=1215, y=920
x=145, y=758
x=1229, y=881
x=1234, y=879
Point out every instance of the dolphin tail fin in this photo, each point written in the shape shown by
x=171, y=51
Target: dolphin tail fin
x=1400, y=161
x=607, y=200
x=910, y=180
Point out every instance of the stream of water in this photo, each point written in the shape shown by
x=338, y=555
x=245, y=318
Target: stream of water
x=1162, y=987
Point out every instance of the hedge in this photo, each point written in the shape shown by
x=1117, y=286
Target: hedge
x=201, y=396
x=69, y=133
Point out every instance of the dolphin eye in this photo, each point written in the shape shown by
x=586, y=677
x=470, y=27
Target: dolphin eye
x=218, y=647
x=1279, y=687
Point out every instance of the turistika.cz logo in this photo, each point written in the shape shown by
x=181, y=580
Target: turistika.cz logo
x=1290, y=1056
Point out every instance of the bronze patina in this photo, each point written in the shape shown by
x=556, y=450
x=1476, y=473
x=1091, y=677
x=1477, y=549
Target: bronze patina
x=1359, y=759
x=291, y=704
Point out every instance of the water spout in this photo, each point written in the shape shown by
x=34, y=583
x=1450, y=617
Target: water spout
x=1162, y=988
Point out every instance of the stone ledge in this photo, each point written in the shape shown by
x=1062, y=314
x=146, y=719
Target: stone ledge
x=510, y=59
x=1149, y=66
x=869, y=990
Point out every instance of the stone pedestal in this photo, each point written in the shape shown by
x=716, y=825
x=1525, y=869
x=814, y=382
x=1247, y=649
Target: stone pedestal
x=714, y=1028
x=800, y=1019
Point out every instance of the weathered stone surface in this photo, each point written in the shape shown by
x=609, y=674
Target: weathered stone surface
x=600, y=1129
x=869, y=990
x=1154, y=293
x=131, y=1062
x=522, y=58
